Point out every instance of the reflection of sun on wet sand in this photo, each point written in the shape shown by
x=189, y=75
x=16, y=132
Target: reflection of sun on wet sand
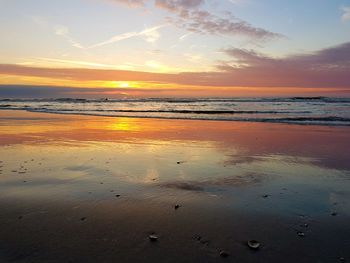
x=94, y=189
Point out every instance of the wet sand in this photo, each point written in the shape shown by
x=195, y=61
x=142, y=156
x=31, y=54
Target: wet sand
x=92, y=189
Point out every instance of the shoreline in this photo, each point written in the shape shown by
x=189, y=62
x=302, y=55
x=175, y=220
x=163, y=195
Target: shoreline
x=291, y=121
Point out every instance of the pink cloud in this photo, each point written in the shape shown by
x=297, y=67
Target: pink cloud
x=190, y=15
x=203, y=22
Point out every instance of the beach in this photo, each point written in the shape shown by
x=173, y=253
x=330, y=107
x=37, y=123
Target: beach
x=79, y=188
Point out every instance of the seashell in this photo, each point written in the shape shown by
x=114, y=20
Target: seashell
x=153, y=237
x=253, y=244
x=301, y=234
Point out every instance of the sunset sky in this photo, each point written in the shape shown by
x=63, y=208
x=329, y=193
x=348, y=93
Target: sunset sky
x=150, y=48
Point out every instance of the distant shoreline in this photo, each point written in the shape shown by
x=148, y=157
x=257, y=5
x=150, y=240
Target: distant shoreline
x=303, y=122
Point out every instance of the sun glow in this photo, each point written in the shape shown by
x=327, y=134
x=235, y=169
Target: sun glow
x=120, y=84
x=124, y=85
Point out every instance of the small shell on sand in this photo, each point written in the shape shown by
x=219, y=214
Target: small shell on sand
x=253, y=244
x=153, y=237
x=301, y=234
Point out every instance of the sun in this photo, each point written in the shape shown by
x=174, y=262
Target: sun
x=120, y=84
x=116, y=84
x=123, y=85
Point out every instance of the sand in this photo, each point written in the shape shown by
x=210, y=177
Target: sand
x=93, y=189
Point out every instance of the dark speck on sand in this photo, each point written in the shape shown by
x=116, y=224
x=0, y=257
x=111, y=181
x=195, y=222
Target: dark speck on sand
x=190, y=186
x=224, y=254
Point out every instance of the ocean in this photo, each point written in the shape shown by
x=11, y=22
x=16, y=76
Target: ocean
x=298, y=110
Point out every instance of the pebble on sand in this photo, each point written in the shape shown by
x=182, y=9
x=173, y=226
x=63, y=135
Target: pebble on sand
x=224, y=254
x=253, y=244
x=153, y=237
x=117, y=195
x=176, y=206
x=301, y=234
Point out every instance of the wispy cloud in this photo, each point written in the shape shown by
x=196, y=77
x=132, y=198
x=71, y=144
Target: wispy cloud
x=63, y=31
x=178, y=5
x=39, y=20
x=346, y=13
x=75, y=62
x=59, y=30
x=238, y=2
x=183, y=37
x=149, y=34
x=132, y=3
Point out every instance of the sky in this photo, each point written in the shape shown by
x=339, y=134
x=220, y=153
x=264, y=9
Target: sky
x=174, y=48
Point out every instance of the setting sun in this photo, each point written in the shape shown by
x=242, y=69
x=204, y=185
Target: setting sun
x=124, y=85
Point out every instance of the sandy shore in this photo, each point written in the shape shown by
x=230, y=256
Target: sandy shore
x=92, y=189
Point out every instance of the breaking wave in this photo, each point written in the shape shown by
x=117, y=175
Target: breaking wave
x=300, y=110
